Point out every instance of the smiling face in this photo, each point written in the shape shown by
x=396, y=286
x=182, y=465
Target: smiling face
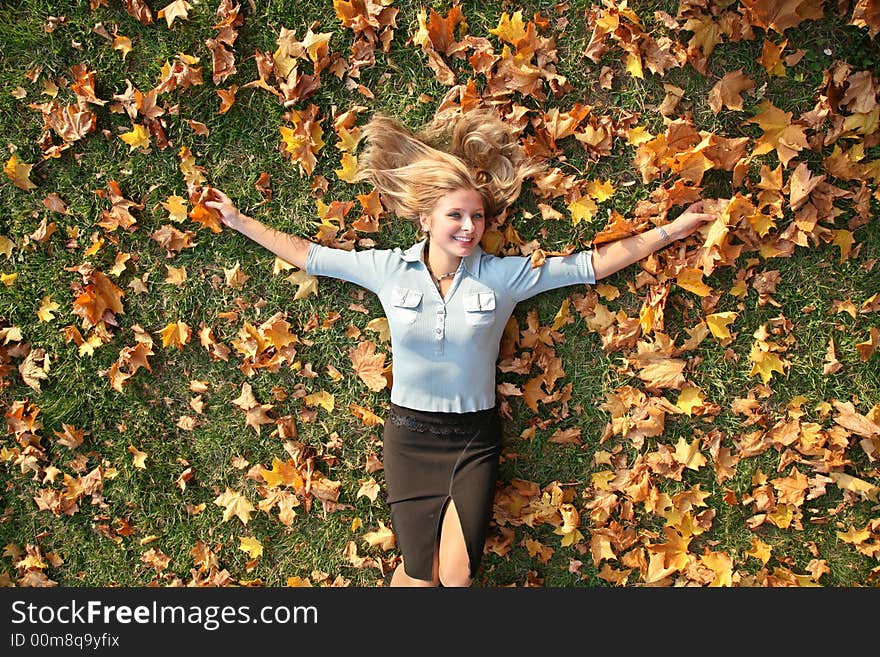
x=455, y=225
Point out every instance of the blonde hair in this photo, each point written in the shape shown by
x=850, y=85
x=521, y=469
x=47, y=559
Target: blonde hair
x=473, y=150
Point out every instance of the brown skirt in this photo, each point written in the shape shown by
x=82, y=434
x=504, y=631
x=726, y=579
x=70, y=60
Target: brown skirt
x=429, y=459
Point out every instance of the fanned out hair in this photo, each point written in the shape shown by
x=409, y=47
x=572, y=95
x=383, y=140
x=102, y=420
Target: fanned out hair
x=471, y=150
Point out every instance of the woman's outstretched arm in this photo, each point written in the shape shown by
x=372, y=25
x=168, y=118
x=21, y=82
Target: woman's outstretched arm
x=290, y=248
x=614, y=256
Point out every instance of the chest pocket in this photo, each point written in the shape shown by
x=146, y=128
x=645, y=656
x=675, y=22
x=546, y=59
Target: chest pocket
x=479, y=308
x=405, y=305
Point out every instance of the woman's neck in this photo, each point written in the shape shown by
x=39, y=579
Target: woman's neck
x=440, y=263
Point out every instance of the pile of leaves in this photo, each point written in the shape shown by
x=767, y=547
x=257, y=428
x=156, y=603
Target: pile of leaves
x=646, y=509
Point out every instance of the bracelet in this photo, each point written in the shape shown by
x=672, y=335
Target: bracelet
x=664, y=236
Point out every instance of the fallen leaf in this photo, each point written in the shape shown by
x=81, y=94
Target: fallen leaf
x=138, y=457
x=19, y=173
x=251, y=545
x=234, y=504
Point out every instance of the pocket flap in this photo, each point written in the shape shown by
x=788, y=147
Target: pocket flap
x=405, y=298
x=479, y=302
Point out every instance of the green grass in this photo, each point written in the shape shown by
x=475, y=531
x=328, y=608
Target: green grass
x=91, y=543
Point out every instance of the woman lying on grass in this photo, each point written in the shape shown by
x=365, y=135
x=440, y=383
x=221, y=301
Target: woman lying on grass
x=447, y=302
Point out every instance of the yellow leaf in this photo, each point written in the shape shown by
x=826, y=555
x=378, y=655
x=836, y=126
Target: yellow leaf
x=96, y=246
x=235, y=504
x=760, y=550
x=599, y=191
x=176, y=333
x=689, y=455
x=122, y=44
x=717, y=231
x=382, y=537
x=283, y=473
x=252, y=546
x=510, y=28
x=349, y=168
x=19, y=173
x=569, y=538
x=718, y=323
x=739, y=289
x=138, y=137
x=638, y=135
x=563, y=316
x=690, y=398
x=317, y=45
x=47, y=307
x=864, y=489
x=761, y=223
x=691, y=279
x=8, y=279
x=176, y=206
x=138, y=457
x=306, y=284
x=369, y=365
x=321, y=398
x=582, y=209
x=764, y=363
x=634, y=65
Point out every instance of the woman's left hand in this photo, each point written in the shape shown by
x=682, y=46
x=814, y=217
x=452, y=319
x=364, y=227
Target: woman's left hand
x=688, y=221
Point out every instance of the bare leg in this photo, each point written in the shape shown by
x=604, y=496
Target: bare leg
x=400, y=578
x=455, y=564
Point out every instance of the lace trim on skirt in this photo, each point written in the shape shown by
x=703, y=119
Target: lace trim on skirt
x=440, y=426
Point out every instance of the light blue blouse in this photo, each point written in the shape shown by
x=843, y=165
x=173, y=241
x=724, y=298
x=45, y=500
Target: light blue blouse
x=444, y=350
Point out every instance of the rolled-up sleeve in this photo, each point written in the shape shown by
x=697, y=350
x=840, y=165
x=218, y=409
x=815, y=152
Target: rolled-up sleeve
x=523, y=281
x=364, y=268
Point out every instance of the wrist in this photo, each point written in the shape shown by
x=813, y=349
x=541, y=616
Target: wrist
x=665, y=237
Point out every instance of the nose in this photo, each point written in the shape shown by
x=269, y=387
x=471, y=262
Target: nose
x=467, y=223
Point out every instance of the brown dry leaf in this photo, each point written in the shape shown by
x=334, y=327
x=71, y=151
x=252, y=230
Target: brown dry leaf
x=787, y=138
x=139, y=10
x=727, y=92
x=70, y=437
x=383, y=538
x=227, y=98
x=831, y=365
x=365, y=415
x=369, y=365
x=779, y=16
x=99, y=300
x=34, y=368
x=868, y=348
x=307, y=285
x=369, y=488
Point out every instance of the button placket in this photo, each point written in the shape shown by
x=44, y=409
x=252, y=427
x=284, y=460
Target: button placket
x=439, y=328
